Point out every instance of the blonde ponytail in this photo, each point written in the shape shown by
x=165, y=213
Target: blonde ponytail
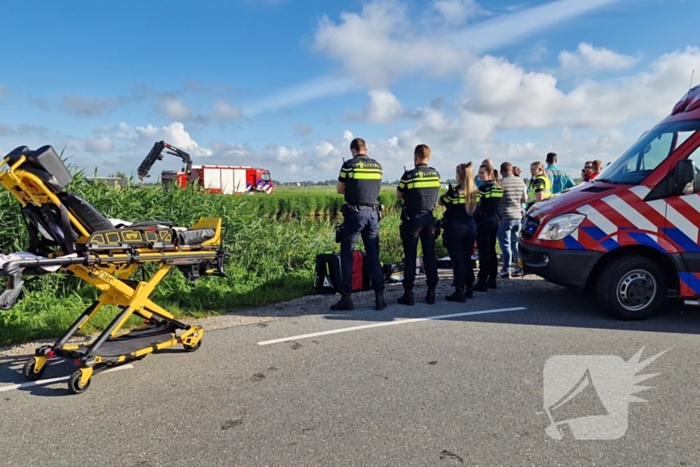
x=468, y=187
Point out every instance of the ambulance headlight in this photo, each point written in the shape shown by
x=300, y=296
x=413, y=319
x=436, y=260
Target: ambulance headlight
x=561, y=227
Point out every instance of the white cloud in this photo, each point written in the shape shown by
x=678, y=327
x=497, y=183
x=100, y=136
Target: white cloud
x=3, y=91
x=322, y=86
x=174, y=108
x=328, y=159
x=145, y=136
x=508, y=29
x=99, y=144
x=456, y=12
x=319, y=161
x=24, y=129
x=285, y=154
x=324, y=148
x=383, y=107
x=519, y=99
x=85, y=107
x=504, y=103
x=302, y=129
x=589, y=57
x=224, y=111
x=379, y=45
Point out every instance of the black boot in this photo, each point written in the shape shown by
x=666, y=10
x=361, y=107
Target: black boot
x=480, y=287
x=491, y=283
x=469, y=293
x=406, y=298
x=430, y=296
x=379, y=302
x=344, y=304
x=457, y=296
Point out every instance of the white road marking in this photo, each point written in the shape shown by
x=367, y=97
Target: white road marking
x=19, y=366
x=11, y=387
x=390, y=323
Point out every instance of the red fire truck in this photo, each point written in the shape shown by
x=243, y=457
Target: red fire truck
x=220, y=179
x=633, y=234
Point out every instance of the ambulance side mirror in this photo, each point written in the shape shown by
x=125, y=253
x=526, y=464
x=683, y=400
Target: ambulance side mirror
x=684, y=177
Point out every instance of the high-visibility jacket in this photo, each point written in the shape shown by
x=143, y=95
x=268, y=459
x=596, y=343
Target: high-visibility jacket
x=538, y=184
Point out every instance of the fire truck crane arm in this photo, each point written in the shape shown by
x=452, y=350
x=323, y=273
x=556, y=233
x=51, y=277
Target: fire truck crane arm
x=156, y=154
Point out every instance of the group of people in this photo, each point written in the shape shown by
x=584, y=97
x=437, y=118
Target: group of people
x=482, y=208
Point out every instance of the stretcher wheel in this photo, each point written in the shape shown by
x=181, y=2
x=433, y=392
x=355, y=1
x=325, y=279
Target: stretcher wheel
x=74, y=383
x=28, y=370
x=192, y=348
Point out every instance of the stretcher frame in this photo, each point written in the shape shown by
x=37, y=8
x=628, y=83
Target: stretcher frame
x=109, y=268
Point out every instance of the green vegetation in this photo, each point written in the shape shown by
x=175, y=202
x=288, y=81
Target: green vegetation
x=273, y=241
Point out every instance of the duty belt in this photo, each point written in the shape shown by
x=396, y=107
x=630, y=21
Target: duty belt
x=419, y=213
x=408, y=215
x=348, y=209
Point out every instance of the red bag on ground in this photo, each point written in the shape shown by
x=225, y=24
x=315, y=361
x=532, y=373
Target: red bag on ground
x=358, y=271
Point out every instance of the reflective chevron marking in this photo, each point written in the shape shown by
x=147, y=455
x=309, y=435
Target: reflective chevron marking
x=598, y=219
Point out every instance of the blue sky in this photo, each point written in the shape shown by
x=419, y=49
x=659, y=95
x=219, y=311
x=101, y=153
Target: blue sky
x=284, y=84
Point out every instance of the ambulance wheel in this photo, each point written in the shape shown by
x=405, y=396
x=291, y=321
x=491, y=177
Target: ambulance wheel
x=74, y=383
x=632, y=287
x=28, y=370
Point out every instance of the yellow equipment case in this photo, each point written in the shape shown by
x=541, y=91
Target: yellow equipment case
x=68, y=234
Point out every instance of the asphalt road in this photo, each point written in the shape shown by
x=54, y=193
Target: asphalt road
x=465, y=390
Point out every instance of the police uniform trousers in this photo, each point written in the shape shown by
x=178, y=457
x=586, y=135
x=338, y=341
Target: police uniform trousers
x=365, y=223
x=459, y=238
x=486, y=233
x=419, y=226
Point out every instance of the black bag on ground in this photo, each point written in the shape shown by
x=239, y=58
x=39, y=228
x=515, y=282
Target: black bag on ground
x=327, y=276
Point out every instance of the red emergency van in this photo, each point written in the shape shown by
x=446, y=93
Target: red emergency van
x=631, y=235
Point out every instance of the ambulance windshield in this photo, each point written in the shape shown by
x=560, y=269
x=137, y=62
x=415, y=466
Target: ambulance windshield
x=635, y=165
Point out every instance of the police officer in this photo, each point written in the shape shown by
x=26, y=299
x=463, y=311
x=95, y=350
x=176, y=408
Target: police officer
x=490, y=195
x=540, y=187
x=360, y=180
x=419, y=189
x=460, y=231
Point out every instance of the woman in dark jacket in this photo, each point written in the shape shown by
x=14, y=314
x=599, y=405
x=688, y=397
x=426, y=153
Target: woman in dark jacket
x=460, y=231
x=490, y=194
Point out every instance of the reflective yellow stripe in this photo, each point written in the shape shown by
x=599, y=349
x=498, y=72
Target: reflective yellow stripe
x=495, y=192
x=532, y=194
x=422, y=184
x=447, y=199
x=422, y=179
x=367, y=176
